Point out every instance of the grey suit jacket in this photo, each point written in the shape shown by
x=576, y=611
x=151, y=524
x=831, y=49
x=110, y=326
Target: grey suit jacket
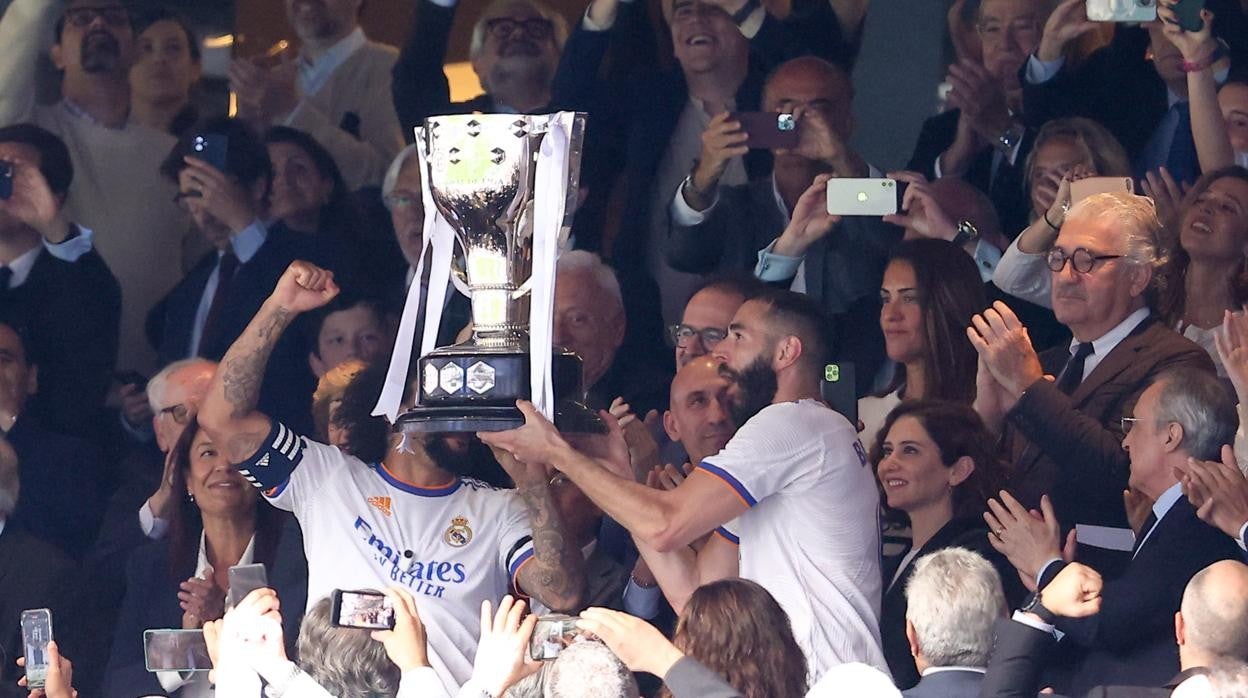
x=956, y=683
x=690, y=679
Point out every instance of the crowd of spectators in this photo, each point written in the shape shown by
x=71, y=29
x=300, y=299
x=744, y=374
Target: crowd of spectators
x=1037, y=479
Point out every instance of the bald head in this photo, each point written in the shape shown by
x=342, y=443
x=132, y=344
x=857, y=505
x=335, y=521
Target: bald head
x=699, y=415
x=810, y=83
x=1215, y=610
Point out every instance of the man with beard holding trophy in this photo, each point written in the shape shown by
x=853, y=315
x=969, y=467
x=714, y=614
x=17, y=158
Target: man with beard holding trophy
x=791, y=496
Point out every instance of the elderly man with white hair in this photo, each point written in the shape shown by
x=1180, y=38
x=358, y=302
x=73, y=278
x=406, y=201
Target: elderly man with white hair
x=953, y=599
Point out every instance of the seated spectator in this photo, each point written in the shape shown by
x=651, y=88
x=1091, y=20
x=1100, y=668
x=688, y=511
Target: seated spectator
x=1183, y=414
x=61, y=501
x=983, y=137
x=209, y=308
x=118, y=191
x=181, y=582
x=1066, y=433
x=514, y=50
x=328, y=398
x=55, y=285
x=717, y=224
x=704, y=321
x=953, y=598
x=167, y=68
x=935, y=464
x=1209, y=629
x=337, y=90
x=33, y=574
x=309, y=196
x=347, y=329
x=928, y=290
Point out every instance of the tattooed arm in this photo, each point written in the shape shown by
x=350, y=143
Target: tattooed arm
x=556, y=573
x=228, y=413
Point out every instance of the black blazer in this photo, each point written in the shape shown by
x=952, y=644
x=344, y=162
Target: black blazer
x=967, y=533
x=151, y=602
x=34, y=574
x=71, y=312
x=1070, y=447
x=1131, y=641
x=286, y=392
x=1007, y=189
x=61, y=499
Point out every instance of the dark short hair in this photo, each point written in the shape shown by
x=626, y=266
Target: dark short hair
x=147, y=17
x=55, y=164
x=798, y=314
x=366, y=436
x=23, y=336
x=745, y=285
x=342, y=212
x=246, y=157
x=343, y=301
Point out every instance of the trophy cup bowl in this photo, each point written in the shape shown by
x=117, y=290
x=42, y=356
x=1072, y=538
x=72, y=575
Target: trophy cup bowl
x=481, y=173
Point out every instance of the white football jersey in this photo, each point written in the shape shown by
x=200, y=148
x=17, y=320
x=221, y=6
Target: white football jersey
x=811, y=536
x=363, y=528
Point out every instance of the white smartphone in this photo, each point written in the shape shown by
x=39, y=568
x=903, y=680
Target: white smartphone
x=1081, y=189
x=862, y=197
x=36, y=634
x=1122, y=10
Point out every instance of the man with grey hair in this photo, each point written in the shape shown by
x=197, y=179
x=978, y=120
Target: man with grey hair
x=515, y=50
x=582, y=670
x=953, y=598
x=1061, y=411
x=1184, y=413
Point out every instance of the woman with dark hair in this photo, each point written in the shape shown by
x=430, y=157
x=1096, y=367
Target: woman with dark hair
x=166, y=69
x=181, y=582
x=740, y=632
x=931, y=289
x=935, y=463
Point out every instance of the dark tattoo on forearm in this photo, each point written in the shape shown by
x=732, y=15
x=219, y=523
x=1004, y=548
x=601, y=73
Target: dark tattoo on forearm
x=556, y=575
x=244, y=364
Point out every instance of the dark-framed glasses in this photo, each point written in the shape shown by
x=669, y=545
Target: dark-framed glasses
x=113, y=16
x=180, y=413
x=1081, y=259
x=680, y=335
x=536, y=28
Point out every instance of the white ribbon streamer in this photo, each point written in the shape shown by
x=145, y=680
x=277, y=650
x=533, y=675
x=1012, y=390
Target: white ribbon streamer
x=548, y=209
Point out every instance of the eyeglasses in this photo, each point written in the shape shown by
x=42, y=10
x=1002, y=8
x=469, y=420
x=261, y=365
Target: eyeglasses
x=991, y=32
x=113, y=16
x=681, y=334
x=536, y=28
x=1127, y=423
x=180, y=413
x=1081, y=259
x=395, y=201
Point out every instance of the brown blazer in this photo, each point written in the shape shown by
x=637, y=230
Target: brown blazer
x=1070, y=447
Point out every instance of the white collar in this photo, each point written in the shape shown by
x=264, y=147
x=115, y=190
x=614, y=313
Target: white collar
x=313, y=74
x=248, y=241
x=1101, y=346
x=1166, y=501
x=940, y=669
x=22, y=265
x=247, y=558
x=2, y=522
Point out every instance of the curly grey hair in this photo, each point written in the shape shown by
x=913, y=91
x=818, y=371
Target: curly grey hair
x=345, y=661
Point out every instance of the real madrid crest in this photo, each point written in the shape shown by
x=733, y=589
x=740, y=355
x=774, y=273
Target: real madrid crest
x=459, y=534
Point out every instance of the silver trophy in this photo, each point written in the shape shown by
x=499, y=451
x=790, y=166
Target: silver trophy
x=481, y=172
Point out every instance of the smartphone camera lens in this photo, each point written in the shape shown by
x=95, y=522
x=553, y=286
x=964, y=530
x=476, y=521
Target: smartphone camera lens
x=199, y=144
x=785, y=122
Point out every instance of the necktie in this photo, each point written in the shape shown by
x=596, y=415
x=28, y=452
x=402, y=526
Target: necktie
x=226, y=266
x=1144, y=531
x=6, y=278
x=1181, y=160
x=1072, y=375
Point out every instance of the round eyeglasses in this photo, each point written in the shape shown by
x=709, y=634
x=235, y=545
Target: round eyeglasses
x=680, y=335
x=1081, y=259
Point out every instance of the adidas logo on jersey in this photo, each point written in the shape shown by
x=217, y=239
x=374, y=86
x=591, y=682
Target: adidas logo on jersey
x=381, y=504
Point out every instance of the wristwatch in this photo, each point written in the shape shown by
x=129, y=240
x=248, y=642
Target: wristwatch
x=1010, y=138
x=967, y=232
x=1033, y=605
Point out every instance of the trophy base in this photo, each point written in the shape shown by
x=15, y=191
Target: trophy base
x=467, y=388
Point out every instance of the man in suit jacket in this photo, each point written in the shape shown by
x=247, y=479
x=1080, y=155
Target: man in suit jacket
x=982, y=137
x=209, y=308
x=1066, y=433
x=1210, y=627
x=1184, y=413
x=55, y=286
x=337, y=90
x=953, y=597
x=515, y=51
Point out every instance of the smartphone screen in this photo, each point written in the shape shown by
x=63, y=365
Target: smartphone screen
x=36, y=634
x=839, y=389
x=1121, y=10
x=245, y=579
x=6, y=180
x=551, y=635
x=176, y=650
x=368, y=610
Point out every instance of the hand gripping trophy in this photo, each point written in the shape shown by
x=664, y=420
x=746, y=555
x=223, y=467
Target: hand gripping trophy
x=499, y=193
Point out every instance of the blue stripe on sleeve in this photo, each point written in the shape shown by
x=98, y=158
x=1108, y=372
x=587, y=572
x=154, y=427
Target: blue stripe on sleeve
x=733, y=482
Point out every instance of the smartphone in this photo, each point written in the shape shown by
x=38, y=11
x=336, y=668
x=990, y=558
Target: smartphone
x=1188, y=12
x=368, y=610
x=212, y=148
x=767, y=130
x=36, y=634
x=131, y=378
x=245, y=579
x=1081, y=189
x=1122, y=10
x=862, y=197
x=176, y=650
x=839, y=389
x=6, y=180
x=551, y=635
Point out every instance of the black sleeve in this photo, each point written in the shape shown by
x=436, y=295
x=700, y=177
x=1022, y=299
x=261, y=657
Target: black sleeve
x=1019, y=655
x=419, y=85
